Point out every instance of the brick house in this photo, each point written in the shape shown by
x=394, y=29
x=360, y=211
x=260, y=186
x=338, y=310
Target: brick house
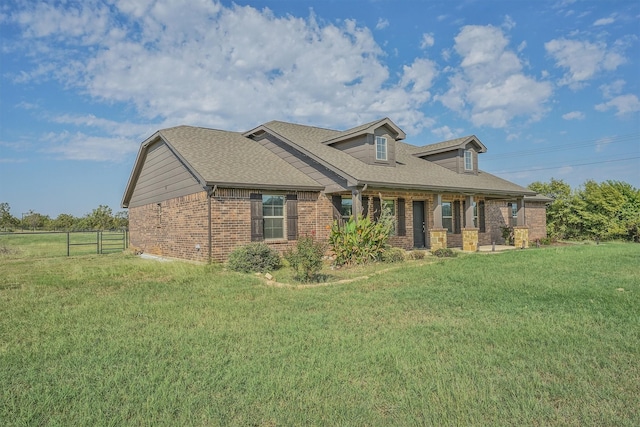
x=197, y=193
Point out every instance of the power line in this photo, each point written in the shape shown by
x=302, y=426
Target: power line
x=562, y=166
x=565, y=147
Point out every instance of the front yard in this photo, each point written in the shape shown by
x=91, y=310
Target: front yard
x=537, y=337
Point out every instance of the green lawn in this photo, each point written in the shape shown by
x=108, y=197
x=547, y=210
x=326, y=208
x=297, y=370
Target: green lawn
x=537, y=337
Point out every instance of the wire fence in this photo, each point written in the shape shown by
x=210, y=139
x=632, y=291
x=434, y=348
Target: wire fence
x=62, y=243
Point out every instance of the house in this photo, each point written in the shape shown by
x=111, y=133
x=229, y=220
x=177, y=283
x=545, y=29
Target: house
x=197, y=193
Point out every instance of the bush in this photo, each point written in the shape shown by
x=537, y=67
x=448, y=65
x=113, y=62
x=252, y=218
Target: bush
x=254, y=257
x=444, y=253
x=418, y=254
x=306, y=259
x=393, y=255
x=358, y=242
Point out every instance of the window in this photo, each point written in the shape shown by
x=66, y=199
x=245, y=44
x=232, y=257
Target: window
x=468, y=160
x=447, y=216
x=273, y=216
x=381, y=148
x=514, y=214
x=346, y=208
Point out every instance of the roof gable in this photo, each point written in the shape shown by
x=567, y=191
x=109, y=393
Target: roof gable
x=450, y=145
x=366, y=129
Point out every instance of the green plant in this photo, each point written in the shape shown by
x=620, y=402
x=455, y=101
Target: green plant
x=254, y=257
x=306, y=259
x=359, y=241
x=393, y=255
x=507, y=235
x=445, y=253
x=418, y=254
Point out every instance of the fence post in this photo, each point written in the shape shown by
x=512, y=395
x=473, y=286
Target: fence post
x=98, y=242
x=68, y=244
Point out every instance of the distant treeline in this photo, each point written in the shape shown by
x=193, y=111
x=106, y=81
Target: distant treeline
x=101, y=218
x=606, y=211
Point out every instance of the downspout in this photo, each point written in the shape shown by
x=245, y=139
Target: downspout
x=209, y=229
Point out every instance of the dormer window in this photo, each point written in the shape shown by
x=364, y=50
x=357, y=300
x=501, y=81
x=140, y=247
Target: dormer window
x=468, y=160
x=381, y=148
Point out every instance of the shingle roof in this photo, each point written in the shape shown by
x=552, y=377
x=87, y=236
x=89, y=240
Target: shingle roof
x=447, y=145
x=409, y=172
x=224, y=157
x=234, y=159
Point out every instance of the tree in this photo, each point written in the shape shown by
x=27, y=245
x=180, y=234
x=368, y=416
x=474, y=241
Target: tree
x=100, y=218
x=121, y=220
x=64, y=222
x=562, y=220
x=7, y=221
x=34, y=220
x=609, y=210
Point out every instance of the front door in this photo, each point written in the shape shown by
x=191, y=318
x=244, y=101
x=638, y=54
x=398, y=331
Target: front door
x=419, y=226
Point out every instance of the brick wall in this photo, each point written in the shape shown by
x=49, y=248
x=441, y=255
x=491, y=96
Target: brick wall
x=536, y=214
x=179, y=227
x=173, y=228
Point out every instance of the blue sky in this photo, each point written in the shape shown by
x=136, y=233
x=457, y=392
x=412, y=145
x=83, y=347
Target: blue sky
x=552, y=88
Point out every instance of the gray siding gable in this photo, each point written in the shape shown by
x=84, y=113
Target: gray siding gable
x=162, y=176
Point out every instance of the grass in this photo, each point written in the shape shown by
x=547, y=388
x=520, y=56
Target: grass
x=537, y=337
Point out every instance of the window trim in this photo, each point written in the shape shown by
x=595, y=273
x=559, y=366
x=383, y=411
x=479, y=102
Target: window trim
x=381, y=141
x=451, y=229
x=282, y=217
x=342, y=207
x=468, y=160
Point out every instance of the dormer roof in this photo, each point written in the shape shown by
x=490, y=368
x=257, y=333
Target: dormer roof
x=450, y=145
x=368, y=128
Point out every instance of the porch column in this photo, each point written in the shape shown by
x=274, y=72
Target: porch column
x=521, y=230
x=437, y=211
x=356, y=206
x=468, y=212
x=470, y=232
x=520, y=220
x=437, y=234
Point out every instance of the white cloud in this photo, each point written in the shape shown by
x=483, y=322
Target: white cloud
x=624, y=104
x=446, y=133
x=612, y=89
x=604, y=21
x=223, y=67
x=80, y=146
x=583, y=59
x=490, y=86
x=382, y=24
x=427, y=40
x=574, y=115
x=508, y=23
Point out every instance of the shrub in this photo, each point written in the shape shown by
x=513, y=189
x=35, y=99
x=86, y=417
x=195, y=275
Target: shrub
x=418, y=254
x=358, y=242
x=393, y=255
x=306, y=259
x=444, y=253
x=254, y=257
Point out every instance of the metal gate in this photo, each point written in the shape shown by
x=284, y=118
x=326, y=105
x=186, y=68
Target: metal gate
x=105, y=242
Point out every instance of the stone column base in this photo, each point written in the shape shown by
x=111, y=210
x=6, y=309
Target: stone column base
x=521, y=237
x=438, y=238
x=470, y=239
